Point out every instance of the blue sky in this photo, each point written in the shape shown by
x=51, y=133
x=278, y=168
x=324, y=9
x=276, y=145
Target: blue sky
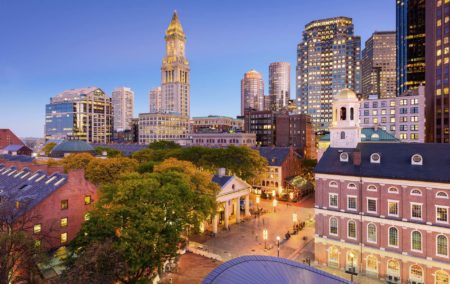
x=47, y=46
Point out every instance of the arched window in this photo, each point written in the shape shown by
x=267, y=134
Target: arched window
x=393, y=236
x=333, y=184
x=416, y=273
x=371, y=233
x=351, y=229
x=393, y=190
x=441, y=245
x=372, y=188
x=343, y=113
x=351, y=186
x=441, y=194
x=352, y=114
x=372, y=264
x=416, y=242
x=333, y=226
x=352, y=260
x=342, y=134
x=441, y=277
x=393, y=267
x=333, y=256
x=416, y=192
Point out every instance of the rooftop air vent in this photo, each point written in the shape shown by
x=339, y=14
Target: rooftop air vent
x=417, y=159
x=343, y=157
x=375, y=158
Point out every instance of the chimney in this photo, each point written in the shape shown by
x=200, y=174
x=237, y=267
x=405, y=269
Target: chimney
x=221, y=172
x=357, y=158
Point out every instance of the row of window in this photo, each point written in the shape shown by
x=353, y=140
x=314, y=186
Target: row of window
x=65, y=202
x=392, y=189
x=393, y=237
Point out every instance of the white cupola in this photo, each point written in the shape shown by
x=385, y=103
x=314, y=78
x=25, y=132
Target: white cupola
x=345, y=131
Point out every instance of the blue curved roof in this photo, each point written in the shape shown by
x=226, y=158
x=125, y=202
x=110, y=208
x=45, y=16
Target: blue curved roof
x=71, y=146
x=258, y=269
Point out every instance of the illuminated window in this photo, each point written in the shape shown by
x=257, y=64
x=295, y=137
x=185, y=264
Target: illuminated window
x=416, y=273
x=63, y=222
x=393, y=267
x=393, y=208
x=372, y=263
x=64, y=204
x=441, y=277
x=441, y=214
x=37, y=243
x=333, y=256
x=87, y=200
x=87, y=216
x=64, y=238
x=37, y=228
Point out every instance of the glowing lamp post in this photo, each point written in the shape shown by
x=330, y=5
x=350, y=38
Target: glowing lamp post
x=275, y=203
x=278, y=246
x=265, y=236
x=291, y=196
x=273, y=193
x=294, y=219
x=258, y=199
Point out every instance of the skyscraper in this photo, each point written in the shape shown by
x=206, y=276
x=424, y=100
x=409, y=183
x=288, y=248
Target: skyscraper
x=328, y=61
x=411, y=44
x=175, y=88
x=252, y=91
x=279, y=84
x=378, y=65
x=437, y=97
x=123, y=107
x=155, y=99
x=84, y=114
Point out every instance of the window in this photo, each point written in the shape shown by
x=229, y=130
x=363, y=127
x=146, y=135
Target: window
x=416, y=192
x=87, y=200
x=393, y=236
x=441, y=277
x=87, y=216
x=64, y=238
x=351, y=202
x=333, y=257
x=416, y=210
x=392, y=190
x=63, y=222
x=441, y=214
x=441, y=194
x=416, y=241
x=351, y=186
x=372, y=188
x=333, y=184
x=333, y=200
x=64, y=204
x=37, y=243
x=342, y=135
x=372, y=263
x=393, y=208
x=441, y=245
x=351, y=229
x=371, y=205
x=393, y=267
x=371, y=233
x=416, y=273
x=37, y=228
x=333, y=226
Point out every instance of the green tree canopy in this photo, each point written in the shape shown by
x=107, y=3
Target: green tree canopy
x=111, y=153
x=163, y=145
x=77, y=161
x=47, y=149
x=102, y=171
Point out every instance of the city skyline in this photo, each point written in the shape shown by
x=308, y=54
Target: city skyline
x=33, y=69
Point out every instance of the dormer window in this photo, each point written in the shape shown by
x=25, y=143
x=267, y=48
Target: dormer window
x=441, y=194
x=417, y=159
x=375, y=158
x=343, y=157
x=375, y=136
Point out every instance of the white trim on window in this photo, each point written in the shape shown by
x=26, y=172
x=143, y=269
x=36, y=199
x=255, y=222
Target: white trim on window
x=442, y=195
x=356, y=202
x=329, y=200
x=389, y=237
x=411, y=211
x=436, y=215
x=337, y=226
x=356, y=230
x=416, y=192
x=376, y=204
x=372, y=187
x=351, y=186
x=393, y=189
x=436, y=243
x=412, y=241
x=398, y=207
x=376, y=234
x=332, y=184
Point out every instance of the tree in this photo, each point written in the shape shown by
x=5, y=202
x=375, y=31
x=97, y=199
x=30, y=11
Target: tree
x=111, y=153
x=144, y=216
x=47, y=149
x=77, y=161
x=163, y=145
x=101, y=171
x=146, y=155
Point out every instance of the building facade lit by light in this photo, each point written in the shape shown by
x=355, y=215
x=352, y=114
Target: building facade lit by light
x=123, y=107
x=252, y=91
x=155, y=100
x=378, y=73
x=328, y=60
x=279, y=85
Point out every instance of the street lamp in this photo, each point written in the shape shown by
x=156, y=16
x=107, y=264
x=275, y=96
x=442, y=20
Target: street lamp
x=294, y=219
x=275, y=203
x=278, y=245
x=291, y=195
x=265, y=235
x=273, y=193
x=258, y=199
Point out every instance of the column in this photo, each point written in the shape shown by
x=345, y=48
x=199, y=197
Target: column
x=238, y=210
x=247, y=205
x=227, y=214
x=215, y=222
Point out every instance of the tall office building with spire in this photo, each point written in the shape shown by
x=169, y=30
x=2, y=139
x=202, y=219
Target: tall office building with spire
x=175, y=88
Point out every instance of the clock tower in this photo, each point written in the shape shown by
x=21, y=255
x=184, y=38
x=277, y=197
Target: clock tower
x=345, y=131
x=175, y=76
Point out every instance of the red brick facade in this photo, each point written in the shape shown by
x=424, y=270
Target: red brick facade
x=7, y=137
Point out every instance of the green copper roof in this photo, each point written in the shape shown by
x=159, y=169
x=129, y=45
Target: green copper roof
x=370, y=135
x=71, y=146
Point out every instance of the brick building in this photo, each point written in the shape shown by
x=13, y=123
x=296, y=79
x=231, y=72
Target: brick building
x=217, y=124
x=382, y=208
x=53, y=204
x=224, y=139
x=7, y=137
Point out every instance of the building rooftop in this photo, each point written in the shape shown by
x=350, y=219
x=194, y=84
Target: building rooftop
x=221, y=180
x=13, y=147
x=257, y=269
x=7, y=137
x=370, y=134
x=71, y=146
x=395, y=161
x=18, y=158
x=27, y=187
x=126, y=149
x=73, y=94
x=275, y=156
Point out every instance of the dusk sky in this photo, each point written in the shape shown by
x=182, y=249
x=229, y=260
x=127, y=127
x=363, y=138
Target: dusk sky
x=48, y=46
